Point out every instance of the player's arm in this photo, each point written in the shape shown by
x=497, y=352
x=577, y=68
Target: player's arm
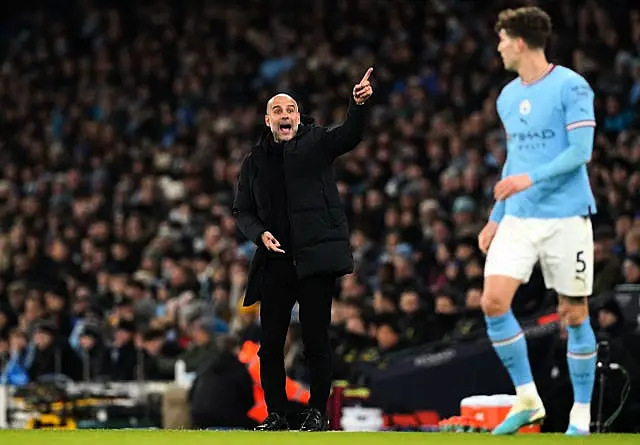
x=497, y=213
x=485, y=237
x=342, y=138
x=345, y=137
x=499, y=207
x=579, y=118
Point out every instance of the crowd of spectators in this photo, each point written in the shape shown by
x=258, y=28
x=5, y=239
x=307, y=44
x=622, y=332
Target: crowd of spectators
x=122, y=129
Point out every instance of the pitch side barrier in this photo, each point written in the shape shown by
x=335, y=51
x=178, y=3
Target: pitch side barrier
x=438, y=377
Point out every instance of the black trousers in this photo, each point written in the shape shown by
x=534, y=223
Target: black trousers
x=281, y=289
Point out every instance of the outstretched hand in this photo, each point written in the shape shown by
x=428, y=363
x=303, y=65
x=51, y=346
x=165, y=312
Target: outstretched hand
x=363, y=90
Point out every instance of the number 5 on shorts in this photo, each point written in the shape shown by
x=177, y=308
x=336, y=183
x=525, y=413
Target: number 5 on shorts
x=581, y=266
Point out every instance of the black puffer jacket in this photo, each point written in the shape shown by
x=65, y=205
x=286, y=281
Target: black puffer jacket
x=319, y=229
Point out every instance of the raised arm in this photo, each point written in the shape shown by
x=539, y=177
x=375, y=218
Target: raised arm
x=345, y=137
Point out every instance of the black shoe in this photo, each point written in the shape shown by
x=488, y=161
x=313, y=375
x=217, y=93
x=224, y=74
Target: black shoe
x=273, y=422
x=313, y=420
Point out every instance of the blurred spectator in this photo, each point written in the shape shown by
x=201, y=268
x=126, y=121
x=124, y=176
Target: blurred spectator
x=388, y=338
x=413, y=318
x=18, y=359
x=246, y=324
x=471, y=322
x=611, y=321
x=631, y=267
x=52, y=355
x=159, y=362
x=122, y=358
x=632, y=240
x=607, y=267
x=203, y=348
x=92, y=353
x=446, y=315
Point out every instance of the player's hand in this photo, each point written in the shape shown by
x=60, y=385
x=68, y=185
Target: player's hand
x=511, y=185
x=271, y=243
x=486, y=236
x=363, y=90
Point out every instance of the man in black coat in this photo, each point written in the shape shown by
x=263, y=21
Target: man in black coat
x=287, y=202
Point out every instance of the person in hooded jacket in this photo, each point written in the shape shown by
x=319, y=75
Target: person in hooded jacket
x=287, y=203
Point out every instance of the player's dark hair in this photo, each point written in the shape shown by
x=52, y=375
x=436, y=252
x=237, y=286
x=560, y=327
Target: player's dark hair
x=530, y=23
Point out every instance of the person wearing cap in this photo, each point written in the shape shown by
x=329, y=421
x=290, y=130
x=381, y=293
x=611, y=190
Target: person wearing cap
x=463, y=212
x=287, y=203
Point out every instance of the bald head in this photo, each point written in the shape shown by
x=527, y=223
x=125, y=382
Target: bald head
x=282, y=117
x=281, y=98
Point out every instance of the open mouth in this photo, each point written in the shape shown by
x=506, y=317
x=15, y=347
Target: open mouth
x=286, y=128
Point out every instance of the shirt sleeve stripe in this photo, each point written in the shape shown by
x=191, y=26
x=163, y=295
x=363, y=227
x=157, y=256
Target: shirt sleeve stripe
x=580, y=124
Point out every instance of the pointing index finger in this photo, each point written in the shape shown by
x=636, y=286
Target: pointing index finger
x=366, y=75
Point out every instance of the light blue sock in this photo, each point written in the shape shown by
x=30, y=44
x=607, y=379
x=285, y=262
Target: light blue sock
x=511, y=346
x=581, y=358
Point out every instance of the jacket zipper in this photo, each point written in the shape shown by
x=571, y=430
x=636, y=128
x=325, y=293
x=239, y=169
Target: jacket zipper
x=286, y=185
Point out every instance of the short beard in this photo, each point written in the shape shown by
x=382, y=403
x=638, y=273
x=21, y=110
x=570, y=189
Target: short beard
x=276, y=137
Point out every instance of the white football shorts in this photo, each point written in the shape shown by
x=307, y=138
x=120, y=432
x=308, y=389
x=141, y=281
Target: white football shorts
x=564, y=247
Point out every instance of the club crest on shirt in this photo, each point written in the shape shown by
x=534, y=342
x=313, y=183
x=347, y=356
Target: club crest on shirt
x=525, y=107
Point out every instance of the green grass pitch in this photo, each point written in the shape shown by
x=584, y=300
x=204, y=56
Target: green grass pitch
x=164, y=437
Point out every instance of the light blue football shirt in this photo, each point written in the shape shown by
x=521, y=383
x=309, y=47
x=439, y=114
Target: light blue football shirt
x=550, y=125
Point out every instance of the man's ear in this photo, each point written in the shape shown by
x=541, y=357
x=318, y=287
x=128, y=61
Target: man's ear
x=267, y=120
